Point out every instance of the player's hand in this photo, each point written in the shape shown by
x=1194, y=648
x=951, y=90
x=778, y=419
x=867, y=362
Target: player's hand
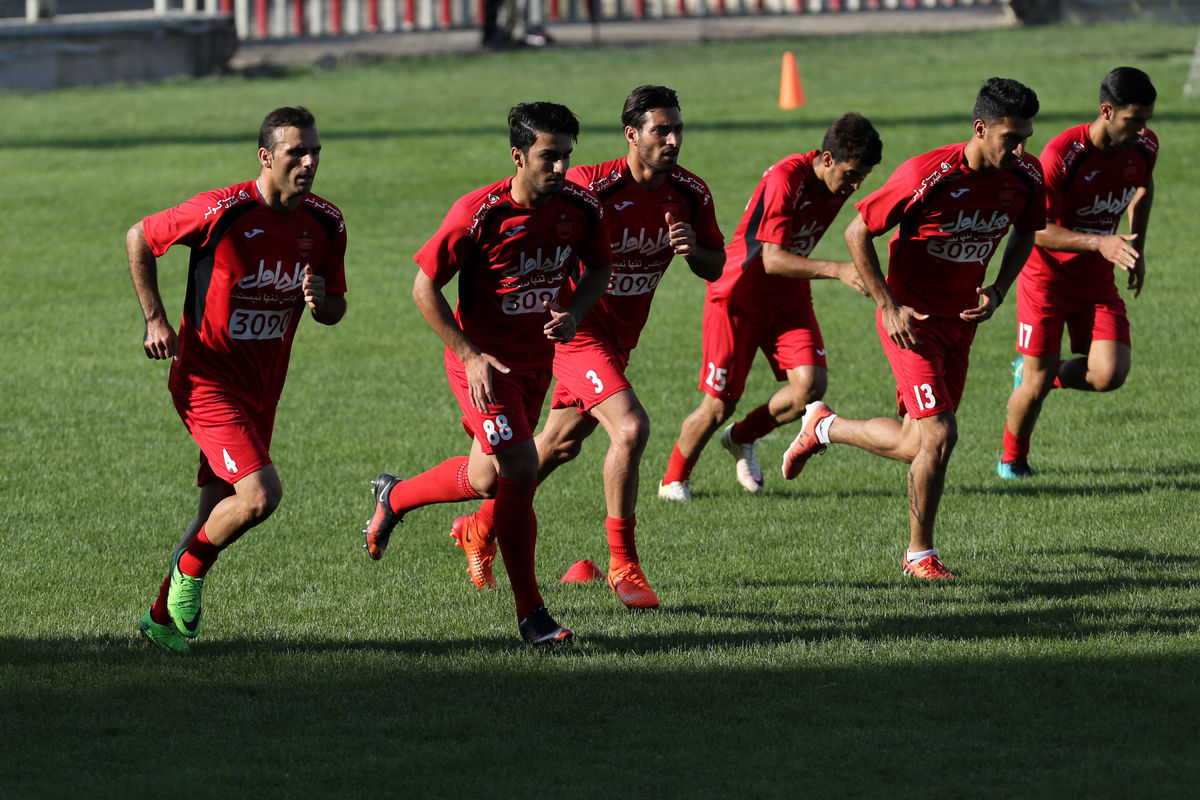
x=561, y=327
x=898, y=325
x=989, y=301
x=479, y=380
x=682, y=236
x=159, y=341
x=313, y=287
x=848, y=274
x=1119, y=249
x=1137, y=275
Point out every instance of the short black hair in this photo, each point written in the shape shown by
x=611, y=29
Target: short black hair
x=852, y=137
x=286, y=117
x=1003, y=97
x=644, y=98
x=527, y=120
x=1127, y=86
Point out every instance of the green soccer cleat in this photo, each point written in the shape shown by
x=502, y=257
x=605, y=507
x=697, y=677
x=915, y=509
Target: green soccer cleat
x=1014, y=470
x=165, y=637
x=183, y=599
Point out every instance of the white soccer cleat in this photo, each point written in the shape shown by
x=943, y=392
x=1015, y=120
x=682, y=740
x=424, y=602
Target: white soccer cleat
x=676, y=490
x=749, y=473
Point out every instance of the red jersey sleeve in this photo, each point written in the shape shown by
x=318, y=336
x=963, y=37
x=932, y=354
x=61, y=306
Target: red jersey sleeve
x=188, y=223
x=449, y=248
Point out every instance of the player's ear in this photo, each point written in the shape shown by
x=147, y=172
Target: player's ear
x=980, y=128
x=518, y=157
x=1106, y=111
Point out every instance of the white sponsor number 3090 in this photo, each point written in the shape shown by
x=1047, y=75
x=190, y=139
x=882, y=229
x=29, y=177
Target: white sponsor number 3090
x=257, y=324
x=529, y=301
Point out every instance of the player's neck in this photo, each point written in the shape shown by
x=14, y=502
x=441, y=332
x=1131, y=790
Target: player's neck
x=274, y=198
x=1098, y=133
x=642, y=175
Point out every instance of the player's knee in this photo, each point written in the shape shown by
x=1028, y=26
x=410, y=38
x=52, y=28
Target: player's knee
x=632, y=432
x=939, y=436
x=1106, y=380
x=261, y=503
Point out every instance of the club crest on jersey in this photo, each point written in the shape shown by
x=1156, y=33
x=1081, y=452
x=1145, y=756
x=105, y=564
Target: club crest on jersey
x=1006, y=196
x=1130, y=173
x=671, y=207
x=304, y=245
x=564, y=228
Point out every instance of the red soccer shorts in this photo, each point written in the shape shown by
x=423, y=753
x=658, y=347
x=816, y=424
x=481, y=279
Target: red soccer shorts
x=1091, y=314
x=789, y=338
x=512, y=418
x=930, y=379
x=588, y=370
x=234, y=439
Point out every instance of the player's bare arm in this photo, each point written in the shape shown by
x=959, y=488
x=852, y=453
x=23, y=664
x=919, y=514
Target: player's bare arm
x=897, y=319
x=1118, y=248
x=592, y=284
x=1139, y=221
x=705, y=262
x=159, y=340
x=1016, y=253
x=777, y=260
x=327, y=309
x=478, y=366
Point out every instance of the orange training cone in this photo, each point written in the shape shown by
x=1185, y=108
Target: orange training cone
x=791, y=91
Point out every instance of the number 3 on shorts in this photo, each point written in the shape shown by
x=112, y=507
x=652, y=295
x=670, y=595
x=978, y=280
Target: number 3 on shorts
x=925, y=398
x=497, y=431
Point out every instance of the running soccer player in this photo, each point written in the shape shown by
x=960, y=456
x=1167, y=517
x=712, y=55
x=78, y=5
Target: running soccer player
x=1095, y=172
x=953, y=206
x=513, y=245
x=260, y=252
x=655, y=210
x=763, y=301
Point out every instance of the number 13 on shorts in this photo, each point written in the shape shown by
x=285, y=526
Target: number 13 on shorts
x=924, y=395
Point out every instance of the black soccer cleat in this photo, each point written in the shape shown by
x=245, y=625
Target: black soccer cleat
x=379, y=527
x=539, y=628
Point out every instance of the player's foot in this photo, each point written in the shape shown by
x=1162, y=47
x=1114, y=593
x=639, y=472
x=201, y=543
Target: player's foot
x=749, y=474
x=166, y=637
x=379, y=526
x=1018, y=370
x=480, y=547
x=1014, y=470
x=183, y=598
x=629, y=584
x=539, y=628
x=805, y=445
x=678, y=491
x=929, y=568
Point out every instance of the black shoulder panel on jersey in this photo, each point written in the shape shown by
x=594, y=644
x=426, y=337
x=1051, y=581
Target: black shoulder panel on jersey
x=468, y=271
x=1073, y=171
x=689, y=194
x=906, y=227
x=200, y=263
x=753, y=245
x=588, y=209
x=1027, y=179
x=611, y=189
x=324, y=219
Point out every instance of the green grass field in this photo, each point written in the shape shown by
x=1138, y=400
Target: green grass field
x=789, y=658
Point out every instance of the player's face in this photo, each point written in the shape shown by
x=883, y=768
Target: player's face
x=541, y=171
x=844, y=177
x=657, y=142
x=1124, y=125
x=292, y=161
x=1002, y=143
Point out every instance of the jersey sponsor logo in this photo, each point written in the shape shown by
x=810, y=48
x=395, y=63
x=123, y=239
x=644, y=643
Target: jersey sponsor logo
x=277, y=278
x=805, y=238
x=253, y=233
x=957, y=193
x=1091, y=175
x=248, y=324
x=623, y=205
x=961, y=252
x=575, y=190
x=628, y=284
x=539, y=262
x=327, y=207
x=226, y=202
x=1033, y=168
x=641, y=243
x=694, y=183
x=977, y=222
x=604, y=181
x=1109, y=204
x=931, y=179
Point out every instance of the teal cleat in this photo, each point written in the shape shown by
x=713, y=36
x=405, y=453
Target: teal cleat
x=1014, y=470
x=1018, y=370
x=183, y=599
x=165, y=637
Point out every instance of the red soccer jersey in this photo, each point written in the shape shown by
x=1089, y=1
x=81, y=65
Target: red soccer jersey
x=509, y=259
x=790, y=207
x=1088, y=191
x=244, y=297
x=641, y=246
x=951, y=220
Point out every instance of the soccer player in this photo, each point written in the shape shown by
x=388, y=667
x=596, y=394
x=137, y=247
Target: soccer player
x=1095, y=172
x=260, y=252
x=763, y=301
x=655, y=210
x=513, y=245
x=953, y=206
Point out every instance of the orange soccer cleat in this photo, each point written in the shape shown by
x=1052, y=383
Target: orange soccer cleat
x=629, y=584
x=929, y=568
x=805, y=445
x=480, y=547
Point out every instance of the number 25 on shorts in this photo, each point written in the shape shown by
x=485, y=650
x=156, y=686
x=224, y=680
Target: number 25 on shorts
x=716, y=377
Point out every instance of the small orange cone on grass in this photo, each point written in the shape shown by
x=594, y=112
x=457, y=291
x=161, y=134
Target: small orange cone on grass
x=791, y=91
